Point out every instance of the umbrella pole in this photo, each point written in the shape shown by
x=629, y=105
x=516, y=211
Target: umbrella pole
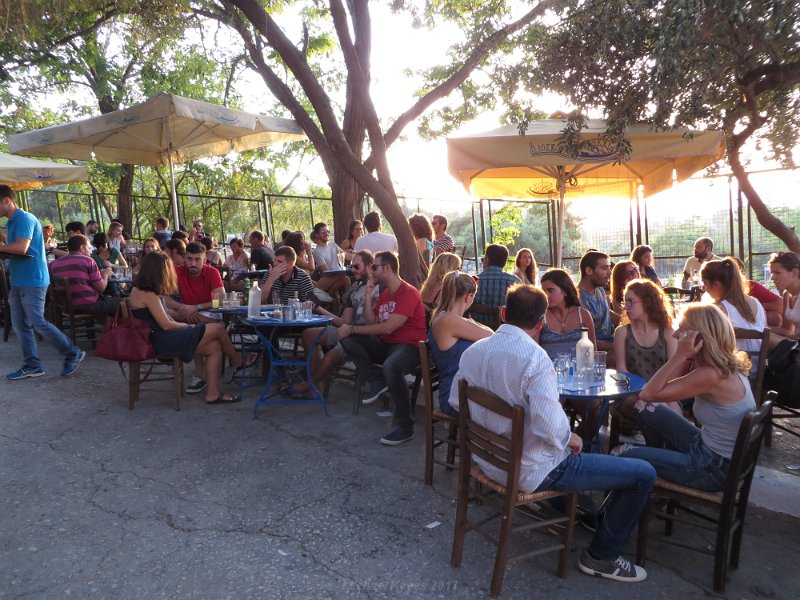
x=173, y=193
x=560, y=233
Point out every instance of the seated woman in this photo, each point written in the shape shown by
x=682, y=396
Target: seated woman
x=623, y=272
x=115, y=237
x=706, y=365
x=238, y=260
x=643, y=343
x=725, y=284
x=423, y=233
x=785, y=268
x=526, y=267
x=431, y=290
x=106, y=256
x=213, y=257
x=564, y=320
x=564, y=316
x=354, y=231
x=157, y=278
x=642, y=257
x=451, y=333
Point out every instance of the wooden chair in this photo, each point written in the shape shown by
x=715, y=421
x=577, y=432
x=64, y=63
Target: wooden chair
x=434, y=416
x=723, y=512
x=78, y=325
x=492, y=315
x=160, y=368
x=5, y=307
x=504, y=454
x=459, y=250
x=758, y=358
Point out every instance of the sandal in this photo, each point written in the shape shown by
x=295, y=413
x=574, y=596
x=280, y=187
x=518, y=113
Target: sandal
x=222, y=400
x=250, y=360
x=293, y=392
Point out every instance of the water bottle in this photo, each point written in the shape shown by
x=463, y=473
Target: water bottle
x=584, y=359
x=254, y=301
x=696, y=281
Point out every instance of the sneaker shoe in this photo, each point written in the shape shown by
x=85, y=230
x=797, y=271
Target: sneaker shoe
x=24, y=373
x=376, y=389
x=397, y=437
x=196, y=385
x=71, y=364
x=618, y=570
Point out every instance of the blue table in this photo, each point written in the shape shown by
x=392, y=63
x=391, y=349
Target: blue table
x=267, y=329
x=612, y=388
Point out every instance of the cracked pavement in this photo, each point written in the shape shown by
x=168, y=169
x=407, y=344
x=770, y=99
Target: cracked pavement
x=101, y=502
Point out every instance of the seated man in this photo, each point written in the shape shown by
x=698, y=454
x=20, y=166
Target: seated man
x=198, y=284
x=595, y=276
x=163, y=233
x=352, y=314
x=326, y=258
x=85, y=280
x=375, y=240
x=522, y=374
x=703, y=252
x=390, y=335
x=286, y=279
x=72, y=228
x=493, y=281
x=443, y=241
x=261, y=255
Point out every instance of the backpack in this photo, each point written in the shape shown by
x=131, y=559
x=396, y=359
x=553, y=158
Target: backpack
x=783, y=373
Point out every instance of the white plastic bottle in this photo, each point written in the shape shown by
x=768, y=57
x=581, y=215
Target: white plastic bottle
x=584, y=358
x=254, y=301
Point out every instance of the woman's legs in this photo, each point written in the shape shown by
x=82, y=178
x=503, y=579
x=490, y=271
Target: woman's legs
x=214, y=343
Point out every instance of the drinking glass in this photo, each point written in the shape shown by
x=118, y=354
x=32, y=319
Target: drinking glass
x=276, y=298
x=308, y=310
x=561, y=364
x=600, y=357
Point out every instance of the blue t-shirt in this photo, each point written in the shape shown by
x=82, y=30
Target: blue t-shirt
x=30, y=272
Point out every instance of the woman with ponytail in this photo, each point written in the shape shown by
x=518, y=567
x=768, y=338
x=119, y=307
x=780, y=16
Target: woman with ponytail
x=726, y=285
x=451, y=333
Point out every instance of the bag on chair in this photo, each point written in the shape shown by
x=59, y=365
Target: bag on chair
x=783, y=373
x=125, y=339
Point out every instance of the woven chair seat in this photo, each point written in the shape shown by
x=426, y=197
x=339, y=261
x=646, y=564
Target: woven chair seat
x=713, y=497
x=522, y=497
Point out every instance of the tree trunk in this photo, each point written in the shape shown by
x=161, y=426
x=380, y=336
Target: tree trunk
x=124, y=200
x=347, y=200
x=767, y=220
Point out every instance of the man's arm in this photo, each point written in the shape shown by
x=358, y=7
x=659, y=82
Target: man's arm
x=101, y=284
x=18, y=246
x=395, y=321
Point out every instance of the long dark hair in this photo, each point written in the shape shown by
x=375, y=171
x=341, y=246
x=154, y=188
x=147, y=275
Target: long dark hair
x=156, y=274
x=562, y=279
x=530, y=271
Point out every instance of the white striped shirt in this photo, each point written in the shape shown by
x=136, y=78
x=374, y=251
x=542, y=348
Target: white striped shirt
x=514, y=367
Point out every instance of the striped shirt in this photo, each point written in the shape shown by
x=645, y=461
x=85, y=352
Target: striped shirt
x=444, y=244
x=300, y=283
x=521, y=374
x=80, y=271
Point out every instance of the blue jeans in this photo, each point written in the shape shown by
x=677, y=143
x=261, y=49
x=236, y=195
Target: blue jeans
x=398, y=360
x=676, y=449
x=630, y=482
x=27, y=317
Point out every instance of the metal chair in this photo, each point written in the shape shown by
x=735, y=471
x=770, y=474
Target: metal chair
x=434, y=416
x=505, y=454
x=722, y=512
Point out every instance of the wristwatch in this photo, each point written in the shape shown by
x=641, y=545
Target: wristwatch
x=199, y=306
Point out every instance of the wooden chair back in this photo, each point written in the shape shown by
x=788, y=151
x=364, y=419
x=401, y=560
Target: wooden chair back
x=490, y=315
x=758, y=358
x=434, y=415
x=78, y=325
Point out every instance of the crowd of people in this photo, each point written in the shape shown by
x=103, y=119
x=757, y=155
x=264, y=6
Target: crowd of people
x=693, y=364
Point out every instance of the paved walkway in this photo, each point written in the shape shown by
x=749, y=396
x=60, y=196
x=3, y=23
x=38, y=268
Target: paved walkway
x=100, y=502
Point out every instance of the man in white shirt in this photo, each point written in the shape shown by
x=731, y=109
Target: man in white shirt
x=375, y=240
x=522, y=374
x=703, y=252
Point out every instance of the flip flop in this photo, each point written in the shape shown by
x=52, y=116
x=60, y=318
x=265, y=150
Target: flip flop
x=221, y=400
x=293, y=392
x=251, y=359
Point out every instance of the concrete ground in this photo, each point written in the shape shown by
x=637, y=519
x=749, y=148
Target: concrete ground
x=100, y=502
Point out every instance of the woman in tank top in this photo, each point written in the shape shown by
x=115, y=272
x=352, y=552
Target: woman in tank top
x=708, y=366
x=564, y=316
x=451, y=333
x=785, y=274
x=644, y=342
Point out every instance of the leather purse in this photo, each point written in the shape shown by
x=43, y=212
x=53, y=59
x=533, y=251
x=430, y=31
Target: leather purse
x=125, y=339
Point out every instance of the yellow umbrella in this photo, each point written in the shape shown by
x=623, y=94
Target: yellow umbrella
x=503, y=163
x=24, y=173
x=163, y=130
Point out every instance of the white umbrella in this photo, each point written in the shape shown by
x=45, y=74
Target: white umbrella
x=163, y=130
x=502, y=163
x=23, y=173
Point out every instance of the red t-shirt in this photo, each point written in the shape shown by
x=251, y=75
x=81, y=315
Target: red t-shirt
x=762, y=294
x=198, y=291
x=405, y=301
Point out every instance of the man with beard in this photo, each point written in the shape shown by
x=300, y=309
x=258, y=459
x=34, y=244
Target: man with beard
x=595, y=277
x=198, y=283
x=703, y=252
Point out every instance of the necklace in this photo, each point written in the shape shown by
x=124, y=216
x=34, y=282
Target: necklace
x=566, y=316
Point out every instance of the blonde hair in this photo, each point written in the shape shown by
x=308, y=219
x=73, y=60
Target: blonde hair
x=444, y=264
x=454, y=286
x=719, y=342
